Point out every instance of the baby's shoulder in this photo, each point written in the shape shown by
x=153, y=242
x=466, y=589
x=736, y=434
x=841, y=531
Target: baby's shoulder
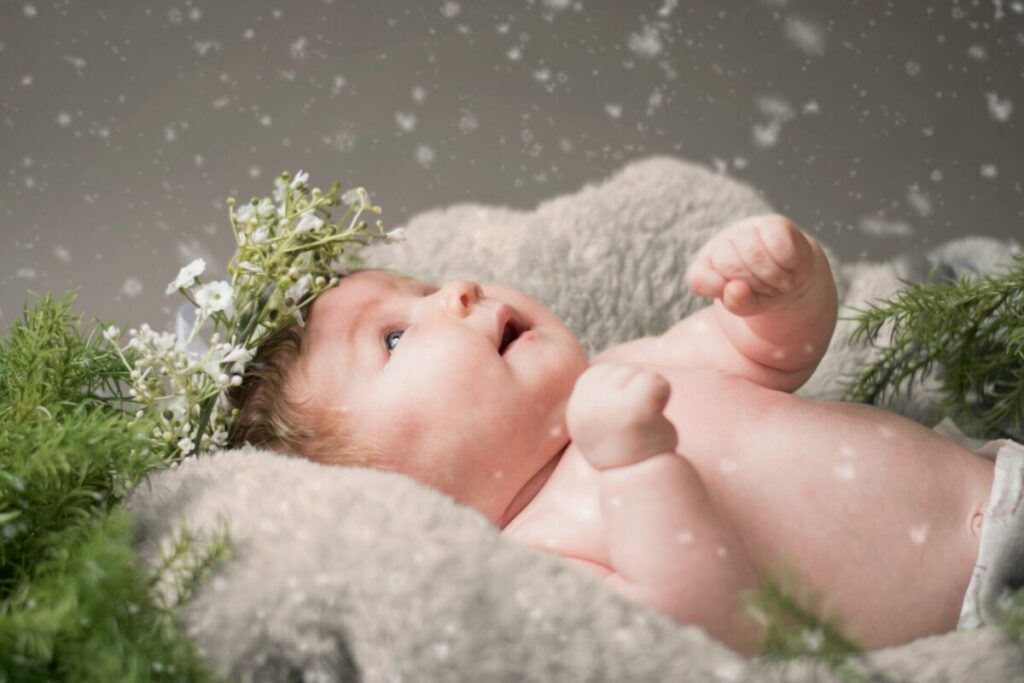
x=642, y=351
x=651, y=353
x=696, y=387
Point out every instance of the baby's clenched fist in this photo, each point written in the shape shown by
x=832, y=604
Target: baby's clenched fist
x=755, y=265
x=615, y=415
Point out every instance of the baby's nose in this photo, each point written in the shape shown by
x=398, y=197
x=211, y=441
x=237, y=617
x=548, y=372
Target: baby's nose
x=459, y=294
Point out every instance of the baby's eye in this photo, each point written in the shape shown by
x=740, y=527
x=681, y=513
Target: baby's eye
x=392, y=335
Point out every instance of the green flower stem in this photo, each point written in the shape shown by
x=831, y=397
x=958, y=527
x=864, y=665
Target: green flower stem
x=339, y=237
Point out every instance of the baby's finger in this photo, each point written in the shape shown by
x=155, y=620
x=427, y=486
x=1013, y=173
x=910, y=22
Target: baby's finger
x=784, y=242
x=739, y=299
x=703, y=280
x=726, y=261
x=754, y=254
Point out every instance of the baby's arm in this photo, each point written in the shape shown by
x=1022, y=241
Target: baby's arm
x=775, y=302
x=667, y=543
x=775, y=296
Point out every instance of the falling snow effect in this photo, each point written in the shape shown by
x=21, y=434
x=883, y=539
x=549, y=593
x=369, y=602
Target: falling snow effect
x=999, y=108
x=805, y=35
x=875, y=226
x=778, y=112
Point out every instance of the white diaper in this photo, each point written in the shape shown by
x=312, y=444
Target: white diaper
x=1001, y=550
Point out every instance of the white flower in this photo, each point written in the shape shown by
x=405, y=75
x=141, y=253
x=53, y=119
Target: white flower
x=252, y=268
x=265, y=207
x=164, y=342
x=214, y=296
x=310, y=221
x=176, y=404
x=186, y=445
x=357, y=196
x=261, y=234
x=245, y=212
x=112, y=333
x=299, y=289
x=240, y=356
x=187, y=275
x=300, y=178
x=396, y=235
x=279, y=192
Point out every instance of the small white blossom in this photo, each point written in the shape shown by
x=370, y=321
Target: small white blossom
x=247, y=266
x=187, y=275
x=309, y=222
x=357, y=196
x=396, y=235
x=177, y=405
x=186, y=445
x=299, y=289
x=215, y=296
x=112, y=333
x=240, y=356
x=265, y=207
x=261, y=235
x=300, y=178
x=245, y=213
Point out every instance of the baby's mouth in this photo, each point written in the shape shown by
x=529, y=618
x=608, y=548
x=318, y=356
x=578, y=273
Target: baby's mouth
x=509, y=335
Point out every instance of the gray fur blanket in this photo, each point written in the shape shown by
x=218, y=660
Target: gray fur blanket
x=363, y=575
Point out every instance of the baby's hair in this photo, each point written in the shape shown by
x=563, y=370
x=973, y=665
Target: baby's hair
x=269, y=417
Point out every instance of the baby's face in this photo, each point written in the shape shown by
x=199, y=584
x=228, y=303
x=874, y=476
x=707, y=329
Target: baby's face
x=418, y=371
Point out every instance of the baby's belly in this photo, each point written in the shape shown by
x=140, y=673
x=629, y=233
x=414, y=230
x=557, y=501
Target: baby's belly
x=867, y=509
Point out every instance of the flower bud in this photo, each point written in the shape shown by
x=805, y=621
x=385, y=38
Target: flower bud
x=236, y=380
x=284, y=283
x=333, y=281
x=319, y=281
x=294, y=273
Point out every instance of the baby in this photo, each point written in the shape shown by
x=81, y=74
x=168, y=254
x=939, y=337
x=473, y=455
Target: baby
x=677, y=467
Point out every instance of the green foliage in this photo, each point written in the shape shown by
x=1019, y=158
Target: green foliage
x=793, y=630
x=75, y=603
x=47, y=363
x=970, y=334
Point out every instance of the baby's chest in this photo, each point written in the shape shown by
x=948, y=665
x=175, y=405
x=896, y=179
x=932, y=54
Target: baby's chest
x=565, y=517
x=713, y=415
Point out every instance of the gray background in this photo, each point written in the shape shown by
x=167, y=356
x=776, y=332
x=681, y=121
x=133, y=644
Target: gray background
x=879, y=126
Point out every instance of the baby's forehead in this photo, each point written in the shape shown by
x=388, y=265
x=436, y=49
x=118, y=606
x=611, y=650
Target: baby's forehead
x=354, y=293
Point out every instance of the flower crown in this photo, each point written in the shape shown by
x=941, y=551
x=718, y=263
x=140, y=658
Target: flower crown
x=286, y=257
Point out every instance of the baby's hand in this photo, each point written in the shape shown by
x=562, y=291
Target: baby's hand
x=755, y=265
x=615, y=415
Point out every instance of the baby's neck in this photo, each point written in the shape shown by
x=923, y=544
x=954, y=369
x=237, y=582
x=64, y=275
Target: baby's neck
x=530, y=490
